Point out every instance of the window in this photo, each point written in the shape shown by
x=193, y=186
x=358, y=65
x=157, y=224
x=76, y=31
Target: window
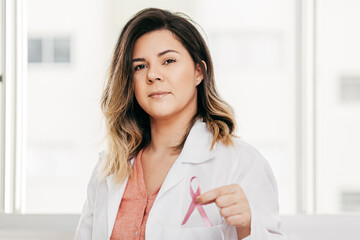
x=49, y=50
x=35, y=50
x=61, y=50
x=350, y=88
x=350, y=201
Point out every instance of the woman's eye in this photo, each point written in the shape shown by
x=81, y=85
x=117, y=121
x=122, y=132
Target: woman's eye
x=139, y=67
x=167, y=61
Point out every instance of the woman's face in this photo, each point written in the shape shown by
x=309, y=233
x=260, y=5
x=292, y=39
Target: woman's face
x=165, y=76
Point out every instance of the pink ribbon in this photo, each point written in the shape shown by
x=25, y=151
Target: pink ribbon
x=198, y=206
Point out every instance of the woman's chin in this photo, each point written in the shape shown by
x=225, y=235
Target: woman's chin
x=161, y=116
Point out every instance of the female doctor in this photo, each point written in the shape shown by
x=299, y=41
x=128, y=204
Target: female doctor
x=173, y=168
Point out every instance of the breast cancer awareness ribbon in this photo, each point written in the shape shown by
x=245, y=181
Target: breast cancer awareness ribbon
x=198, y=206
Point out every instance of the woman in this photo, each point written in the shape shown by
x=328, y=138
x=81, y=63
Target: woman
x=173, y=168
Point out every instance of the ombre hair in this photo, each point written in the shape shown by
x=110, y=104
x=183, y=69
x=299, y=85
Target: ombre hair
x=127, y=124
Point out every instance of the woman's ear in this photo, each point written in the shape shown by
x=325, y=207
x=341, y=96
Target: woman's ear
x=204, y=64
x=199, y=73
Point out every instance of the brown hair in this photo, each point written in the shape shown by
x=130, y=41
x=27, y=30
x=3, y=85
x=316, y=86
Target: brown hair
x=128, y=125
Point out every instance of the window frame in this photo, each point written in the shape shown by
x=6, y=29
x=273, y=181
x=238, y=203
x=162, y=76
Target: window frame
x=13, y=101
x=305, y=106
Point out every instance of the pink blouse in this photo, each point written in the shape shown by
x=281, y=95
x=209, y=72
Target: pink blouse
x=135, y=206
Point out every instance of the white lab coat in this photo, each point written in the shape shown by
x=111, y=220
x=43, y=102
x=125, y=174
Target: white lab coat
x=241, y=164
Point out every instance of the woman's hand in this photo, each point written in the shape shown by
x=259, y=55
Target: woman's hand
x=233, y=204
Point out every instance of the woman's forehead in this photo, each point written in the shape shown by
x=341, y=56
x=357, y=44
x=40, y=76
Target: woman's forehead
x=155, y=42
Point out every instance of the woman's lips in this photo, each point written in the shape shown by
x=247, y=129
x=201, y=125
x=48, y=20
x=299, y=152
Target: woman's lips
x=158, y=94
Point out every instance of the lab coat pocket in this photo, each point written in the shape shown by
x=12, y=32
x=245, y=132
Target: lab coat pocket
x=196, y=220
x=194, y=233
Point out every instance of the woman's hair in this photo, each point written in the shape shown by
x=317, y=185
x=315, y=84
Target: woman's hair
x=127, y=124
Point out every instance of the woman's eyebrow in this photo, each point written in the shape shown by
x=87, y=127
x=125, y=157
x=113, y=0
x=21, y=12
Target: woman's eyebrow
x=159, y=55
x=166, y=51
x=138, y=60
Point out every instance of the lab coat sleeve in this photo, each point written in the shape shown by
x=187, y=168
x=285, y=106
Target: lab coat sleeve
x=260, y=188
x=85, y=224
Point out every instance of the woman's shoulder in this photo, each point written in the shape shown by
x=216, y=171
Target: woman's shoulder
x=101, y=155
x=243, y=161
x=96, y=175
x=240, y=152
x=100, y=159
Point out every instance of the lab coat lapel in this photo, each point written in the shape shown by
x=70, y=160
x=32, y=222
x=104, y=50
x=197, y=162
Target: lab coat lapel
x=198, y=144
x=175, y=175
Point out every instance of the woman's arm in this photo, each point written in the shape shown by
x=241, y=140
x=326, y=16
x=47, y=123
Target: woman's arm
x=250, y=204
x=261, y=190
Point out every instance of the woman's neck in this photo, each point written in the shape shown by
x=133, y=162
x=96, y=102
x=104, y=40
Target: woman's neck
x=167, y=133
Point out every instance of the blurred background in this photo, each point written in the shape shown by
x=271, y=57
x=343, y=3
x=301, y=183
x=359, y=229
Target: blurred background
x=289, y=68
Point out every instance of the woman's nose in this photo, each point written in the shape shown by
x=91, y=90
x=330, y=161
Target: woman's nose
x=153, y=75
